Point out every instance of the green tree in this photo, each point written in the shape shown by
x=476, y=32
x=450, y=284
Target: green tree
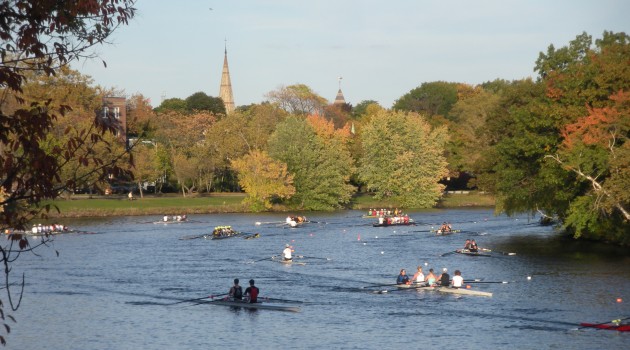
x=403, y=158
x=263, y=179
x=199, y=102
x=433, y=98
x=320, y=164
x=173, y=105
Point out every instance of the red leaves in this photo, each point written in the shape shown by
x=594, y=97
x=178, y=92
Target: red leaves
x=602, y=126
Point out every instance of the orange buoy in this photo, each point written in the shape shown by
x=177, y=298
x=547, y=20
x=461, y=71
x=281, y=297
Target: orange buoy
x=619, y=300
x=468, y=286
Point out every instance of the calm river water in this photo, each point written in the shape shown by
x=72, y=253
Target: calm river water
x=110, y=290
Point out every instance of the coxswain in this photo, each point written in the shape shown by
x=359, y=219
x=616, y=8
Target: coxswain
x=403, y=278
x=418, y=277
x=458, y=280
x=467, y=244
x=286, y=253
x=252, y=292
x=236, y=292
x=445, y=278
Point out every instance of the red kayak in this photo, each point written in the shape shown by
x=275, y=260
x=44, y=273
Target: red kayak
x=612, y=327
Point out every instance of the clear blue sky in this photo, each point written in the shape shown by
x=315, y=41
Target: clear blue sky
x=381, y=49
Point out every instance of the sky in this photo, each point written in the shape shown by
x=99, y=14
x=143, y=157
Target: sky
x=381, y=50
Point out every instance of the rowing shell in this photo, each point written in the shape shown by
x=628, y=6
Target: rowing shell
x=449, y=290
x=468, y=252
x=612, y=327
x=247, y=305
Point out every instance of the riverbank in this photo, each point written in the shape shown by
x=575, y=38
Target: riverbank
x=174, y=204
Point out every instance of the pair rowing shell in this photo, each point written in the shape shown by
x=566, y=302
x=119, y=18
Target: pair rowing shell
x=262, y=306
x=468, y=252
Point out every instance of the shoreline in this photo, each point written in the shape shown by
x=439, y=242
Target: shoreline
x=80, y=206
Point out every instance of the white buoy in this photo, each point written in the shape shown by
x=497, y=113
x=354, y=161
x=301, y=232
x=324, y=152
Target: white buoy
x=375, y=236
x=364, y=243
x=382, y=252
x=529, y=278
x=426, y=264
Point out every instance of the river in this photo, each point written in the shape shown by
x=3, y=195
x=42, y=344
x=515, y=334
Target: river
x=111, y=289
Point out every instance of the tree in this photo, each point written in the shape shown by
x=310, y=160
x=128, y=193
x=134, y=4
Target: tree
x=263, y=179
x=403, y=158
x=534, y=167
x=430, y=99
x=145, y=165
x=361, y=109
x=173, y=105
x=40, y=38
x=319, y=162
x=298, y=99
x=199, y=102
x=139, y=115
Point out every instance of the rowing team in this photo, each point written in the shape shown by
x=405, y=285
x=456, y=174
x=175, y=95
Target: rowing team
x=471, y=246
x=393, y=220
x=431, y=279
x=223, y=231
x=295, y=220
x=175, y=218
x=249, y=296
x=446, y=227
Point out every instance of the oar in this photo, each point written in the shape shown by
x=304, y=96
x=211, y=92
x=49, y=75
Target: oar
x=269, y=258
x=617, y=321
x=317, y=222
x=503, y=282
x=311, y=257
x=449, y=253
x=247, y=235
x=196, y=299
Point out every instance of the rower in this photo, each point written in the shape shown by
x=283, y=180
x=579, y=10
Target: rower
x=403, y=278
x=467, y=244
x=418, y=277
x=445, y=278
x=252, y=292
x=286, y=253
x=473, y=246
x=236, y=292
x=431, y=279
x=458, y=280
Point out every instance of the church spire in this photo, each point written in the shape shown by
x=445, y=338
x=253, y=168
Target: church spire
x=225, y=91
x=339, y=99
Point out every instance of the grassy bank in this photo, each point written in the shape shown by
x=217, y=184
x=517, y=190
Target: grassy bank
x=173, y=204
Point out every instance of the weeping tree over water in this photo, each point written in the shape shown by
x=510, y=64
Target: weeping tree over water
x=38, y=38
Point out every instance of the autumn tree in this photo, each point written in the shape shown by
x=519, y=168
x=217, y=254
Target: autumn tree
x=317, y=157
x=534, y=166
x=298, y=99
x=403, y=158
x=39, y=38
x=263, y=179
x=139, y=116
